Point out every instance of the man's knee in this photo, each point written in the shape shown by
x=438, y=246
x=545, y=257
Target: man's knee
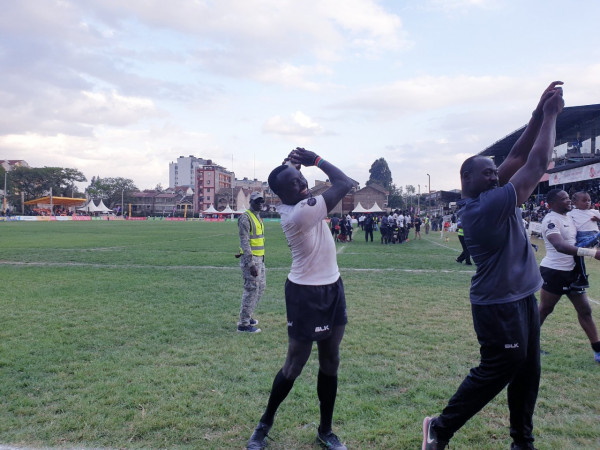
x=329, y=366
x=584, y=311
x=329, y=360
x=292, y=369
x=546, y=309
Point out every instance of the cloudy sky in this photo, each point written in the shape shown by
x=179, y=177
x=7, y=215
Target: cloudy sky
x=122, y=88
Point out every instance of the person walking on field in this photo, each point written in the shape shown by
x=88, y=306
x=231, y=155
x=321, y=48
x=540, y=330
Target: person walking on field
x=417, y=223
x=314, y=292
x=504, y=308
x=252, y=262
x=368, y=226
x=558, y=266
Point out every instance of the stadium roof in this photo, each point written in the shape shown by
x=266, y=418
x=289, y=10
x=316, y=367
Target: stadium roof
x=574, y=123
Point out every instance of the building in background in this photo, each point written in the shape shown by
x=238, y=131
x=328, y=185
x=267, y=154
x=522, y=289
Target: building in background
x=370, y=195
x=210, y=179
x=183, y=172
x=253, y=185
x=10, y=164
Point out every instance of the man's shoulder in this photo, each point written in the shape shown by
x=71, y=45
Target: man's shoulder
x=553, y=218
x=548, y=217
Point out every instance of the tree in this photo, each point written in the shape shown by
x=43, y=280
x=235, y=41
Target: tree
x=111, y=190
x=410, y=192
x=38, y=182
x=380, y=174
x=395, y=200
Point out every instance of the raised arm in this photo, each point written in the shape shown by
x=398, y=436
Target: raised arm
x=520, y=150
x=340, y=183
x=527, y=177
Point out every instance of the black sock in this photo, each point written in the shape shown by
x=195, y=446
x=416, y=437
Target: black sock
x=281, y=388
x=327, y=392
x=596, y=346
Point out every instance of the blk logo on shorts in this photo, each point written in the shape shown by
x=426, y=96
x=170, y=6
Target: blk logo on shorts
x=515, y=345
x=321, y=329
x=290, y=324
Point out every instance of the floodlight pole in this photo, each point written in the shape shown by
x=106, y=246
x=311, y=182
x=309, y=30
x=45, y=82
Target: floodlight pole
x=429, y=189
x=4, y=199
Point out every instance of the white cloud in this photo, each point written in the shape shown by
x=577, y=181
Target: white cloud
x=462, y=5
x=292, y=76
x=428, y=93
x=297, y=124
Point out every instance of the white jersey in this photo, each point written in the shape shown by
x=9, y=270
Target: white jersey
x=555, y=223
x=400, y=221
x=583, y=219
x=309, y=238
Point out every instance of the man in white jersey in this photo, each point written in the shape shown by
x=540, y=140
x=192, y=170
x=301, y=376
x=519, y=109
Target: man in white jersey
x=314, y=292
x=557, y=267
x=400, y=224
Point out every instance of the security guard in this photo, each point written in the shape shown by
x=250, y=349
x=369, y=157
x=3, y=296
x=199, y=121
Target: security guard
x=252, y=253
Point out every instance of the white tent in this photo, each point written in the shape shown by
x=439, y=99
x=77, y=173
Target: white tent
x=90, y=207
x=227, y=210
x=210, y=210
x=242, y=210
x=375, y=208
x=102, y=207
x=359, y=208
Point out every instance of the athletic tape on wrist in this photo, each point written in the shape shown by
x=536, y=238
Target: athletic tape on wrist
x=586, y=252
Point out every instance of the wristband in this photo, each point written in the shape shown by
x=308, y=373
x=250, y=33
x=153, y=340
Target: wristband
x=317, y=161
x=586, y=252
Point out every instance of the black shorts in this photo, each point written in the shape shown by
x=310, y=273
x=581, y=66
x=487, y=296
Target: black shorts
x=559, y=281
x=312, y=311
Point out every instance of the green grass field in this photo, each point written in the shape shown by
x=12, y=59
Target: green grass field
x=123, y=335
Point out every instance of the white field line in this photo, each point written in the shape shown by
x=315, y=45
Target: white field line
x=236, y=268
x=442, y=245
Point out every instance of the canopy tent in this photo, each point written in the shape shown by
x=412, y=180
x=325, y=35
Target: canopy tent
x=227, y=210
x=56, y=201
x=102, y=207
x=359, y=208
x=210, y=210
x=90, y=207
x=375, y=208
x=242, y=210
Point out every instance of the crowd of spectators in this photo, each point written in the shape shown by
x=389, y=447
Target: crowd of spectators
x=393, y=227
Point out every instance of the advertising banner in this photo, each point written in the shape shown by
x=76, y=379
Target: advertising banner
x=573, y=175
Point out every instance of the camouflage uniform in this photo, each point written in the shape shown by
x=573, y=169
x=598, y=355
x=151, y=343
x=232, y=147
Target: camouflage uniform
x=253, y=286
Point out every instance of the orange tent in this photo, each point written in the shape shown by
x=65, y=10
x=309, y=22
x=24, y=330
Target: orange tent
x=57, y=201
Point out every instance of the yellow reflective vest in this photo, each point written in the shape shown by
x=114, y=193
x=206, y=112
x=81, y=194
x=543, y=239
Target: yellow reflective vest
x=257, y=234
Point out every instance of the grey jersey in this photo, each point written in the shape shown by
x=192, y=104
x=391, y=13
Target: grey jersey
x=497, y=241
